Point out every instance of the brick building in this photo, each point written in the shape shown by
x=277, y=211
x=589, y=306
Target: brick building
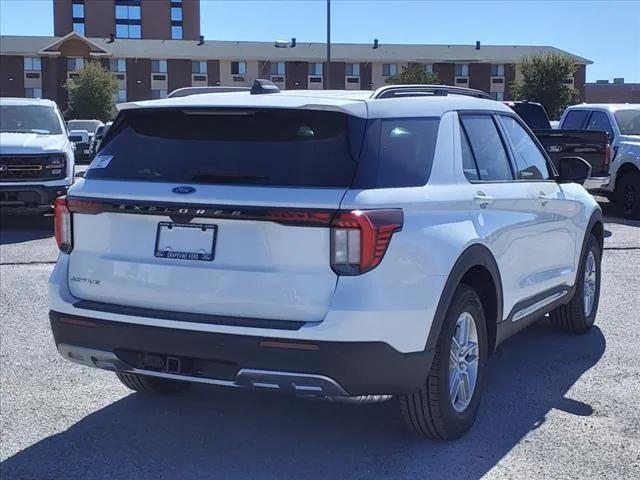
x=154, y=47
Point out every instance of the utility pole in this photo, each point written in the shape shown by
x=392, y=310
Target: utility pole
x=328, y=72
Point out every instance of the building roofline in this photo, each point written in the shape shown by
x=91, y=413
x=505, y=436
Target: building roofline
x=304, y=51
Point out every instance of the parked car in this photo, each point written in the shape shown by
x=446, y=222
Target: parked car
x=592, y=146
x=83, y=148
x=36, y=157
x=97, y=139
x=351, y=246
x=622, y=124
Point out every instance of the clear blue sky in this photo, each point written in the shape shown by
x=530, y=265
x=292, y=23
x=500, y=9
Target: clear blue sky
x=607, y=32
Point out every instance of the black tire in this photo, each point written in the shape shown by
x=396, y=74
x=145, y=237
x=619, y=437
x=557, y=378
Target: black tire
x=429, y=411
x=628, y=194
x=144, y=384
x=572, y=317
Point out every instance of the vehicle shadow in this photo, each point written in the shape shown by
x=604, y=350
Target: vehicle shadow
x=23, y=228
x=217, y=433
x=613, y=214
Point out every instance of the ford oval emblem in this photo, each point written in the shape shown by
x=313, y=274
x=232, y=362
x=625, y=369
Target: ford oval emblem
x=183, y=189
x=3, y=168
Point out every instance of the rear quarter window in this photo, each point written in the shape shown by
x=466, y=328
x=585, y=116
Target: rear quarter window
x=398, y=152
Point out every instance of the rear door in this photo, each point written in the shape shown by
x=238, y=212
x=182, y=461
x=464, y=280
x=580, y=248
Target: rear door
x=219, y=212
x=508, y=212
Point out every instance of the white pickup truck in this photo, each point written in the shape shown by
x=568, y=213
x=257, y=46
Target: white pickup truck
x=622, y=123
x=36, y=156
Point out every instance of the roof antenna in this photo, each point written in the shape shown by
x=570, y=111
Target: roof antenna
x=293, y=42
x=112, y=38
x=201, y=40
x=375, y=43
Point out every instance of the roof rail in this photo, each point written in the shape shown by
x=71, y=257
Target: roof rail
x=399, y=91
x=188, y=91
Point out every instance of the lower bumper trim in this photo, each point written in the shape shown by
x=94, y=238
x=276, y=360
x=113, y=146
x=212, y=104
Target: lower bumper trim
x=302, y=384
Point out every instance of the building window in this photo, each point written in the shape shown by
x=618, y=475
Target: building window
x=238, y=68
x=316, y=69
x=77, y=13
x=78, y=10
x=199, y=67
x=33, y=92
x=176, y=32
x=157, y=94
x=427, y=68
x=32, y=64
x=158, y=66
x=128, y=19
x=176, y=20
x=462, y=69
x=352, y=69
x=389, y=69
x=277, y=68
x=121, y=96
x=499, y=96
x=497, y=70
x=75, y=64
x=176, y=14
x=118, y=65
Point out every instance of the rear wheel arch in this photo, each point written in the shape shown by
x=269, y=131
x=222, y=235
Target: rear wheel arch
x=477, y=268
x=625, y=168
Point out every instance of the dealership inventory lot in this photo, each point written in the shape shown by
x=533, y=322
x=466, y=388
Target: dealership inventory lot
x=556, y=406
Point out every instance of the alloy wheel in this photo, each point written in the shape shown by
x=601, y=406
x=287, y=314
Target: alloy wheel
x=590, y=279
x=463, y=362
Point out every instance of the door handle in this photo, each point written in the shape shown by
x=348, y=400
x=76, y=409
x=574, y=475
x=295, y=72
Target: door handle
x=482, y=200
x=544, y=199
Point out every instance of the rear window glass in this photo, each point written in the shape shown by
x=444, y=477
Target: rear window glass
x=270, y=147
x=533, y=114
x=406, y=151
x=574, y=119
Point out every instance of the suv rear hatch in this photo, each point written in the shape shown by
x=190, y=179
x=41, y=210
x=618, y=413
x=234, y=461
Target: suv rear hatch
x=245, y=181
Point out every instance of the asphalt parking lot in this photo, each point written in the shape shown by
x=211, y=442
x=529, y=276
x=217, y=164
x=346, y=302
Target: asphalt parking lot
x=556, y=406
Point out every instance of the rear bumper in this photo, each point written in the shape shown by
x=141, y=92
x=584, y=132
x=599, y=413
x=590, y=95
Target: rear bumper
x=34, y=198
x=318, y=368
x=597, y=183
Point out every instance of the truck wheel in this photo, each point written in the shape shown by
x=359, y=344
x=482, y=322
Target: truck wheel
x=628, y=194
x=144, y=384
x=447, y=404
x=578, y=315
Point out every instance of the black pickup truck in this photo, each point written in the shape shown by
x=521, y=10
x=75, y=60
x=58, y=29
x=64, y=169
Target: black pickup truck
x=592, y=146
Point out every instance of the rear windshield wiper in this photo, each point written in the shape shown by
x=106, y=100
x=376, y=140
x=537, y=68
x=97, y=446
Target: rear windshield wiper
x=209, y=178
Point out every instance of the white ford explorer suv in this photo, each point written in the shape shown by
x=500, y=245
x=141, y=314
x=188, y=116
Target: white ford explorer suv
x=350, y=245
x=36, y=156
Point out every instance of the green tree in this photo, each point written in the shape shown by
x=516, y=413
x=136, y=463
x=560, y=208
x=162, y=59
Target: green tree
x=543, y=81
x=92, y=93
x=414, y=74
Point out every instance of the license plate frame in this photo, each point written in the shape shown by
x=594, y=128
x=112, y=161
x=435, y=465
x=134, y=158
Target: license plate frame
x=207, y=256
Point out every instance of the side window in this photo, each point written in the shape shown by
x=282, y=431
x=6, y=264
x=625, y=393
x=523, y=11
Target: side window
x=468, y=162
x=407, y=146
x=530, y=162
x=600, y=121
x=575, y=119
x=487, y=147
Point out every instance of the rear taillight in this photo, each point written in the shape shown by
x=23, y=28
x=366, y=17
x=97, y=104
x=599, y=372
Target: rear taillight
x=62, y=225
x=359, y=239
x=607, y=154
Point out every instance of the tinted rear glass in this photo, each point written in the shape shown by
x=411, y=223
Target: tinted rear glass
x=533, y=115
x=574, y=119
x=628, y=121
x=407, y=146
x=271, y=147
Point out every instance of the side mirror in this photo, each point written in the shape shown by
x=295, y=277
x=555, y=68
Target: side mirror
x=573, y=170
